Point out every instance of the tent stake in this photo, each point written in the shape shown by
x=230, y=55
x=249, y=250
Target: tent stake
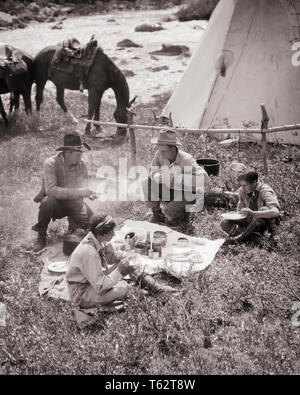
x=264, y=127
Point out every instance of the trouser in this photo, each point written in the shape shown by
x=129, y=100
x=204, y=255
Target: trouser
x=90, y=298
x=85, y=296
x=242, y=229
x=78, y=212
x=176, y=200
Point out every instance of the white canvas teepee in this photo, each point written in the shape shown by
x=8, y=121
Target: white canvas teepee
x=247, y=56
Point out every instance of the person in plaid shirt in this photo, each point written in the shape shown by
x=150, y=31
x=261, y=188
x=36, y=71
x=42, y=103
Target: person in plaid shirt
x=259, y=203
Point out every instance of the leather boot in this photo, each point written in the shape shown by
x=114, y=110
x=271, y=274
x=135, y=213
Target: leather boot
x=40, y=242
x=153, y=285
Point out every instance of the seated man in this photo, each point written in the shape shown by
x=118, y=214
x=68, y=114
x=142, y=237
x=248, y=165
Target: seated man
x=175, y=178
x=258, y=202
x=65, y=185
x=95, y=274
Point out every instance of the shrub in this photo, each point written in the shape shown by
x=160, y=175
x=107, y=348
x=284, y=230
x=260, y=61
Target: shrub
x=196, y=9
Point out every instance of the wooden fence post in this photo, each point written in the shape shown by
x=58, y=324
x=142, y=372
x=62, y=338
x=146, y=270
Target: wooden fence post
x=132, y=136
x=264, y=127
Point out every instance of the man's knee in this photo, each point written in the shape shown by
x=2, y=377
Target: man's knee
x=48, y=202
x=261, y=221
x=175, y=210
x=81, y=216
x=225, y=224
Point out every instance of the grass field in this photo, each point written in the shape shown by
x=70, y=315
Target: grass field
x=236, y=317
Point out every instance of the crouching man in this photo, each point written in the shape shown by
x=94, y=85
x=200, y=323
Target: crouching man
x=259, y=203
x=96, y=271
x=64, y=186
x=174, y=178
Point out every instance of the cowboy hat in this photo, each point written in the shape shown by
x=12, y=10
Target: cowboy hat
x=72, y=142
x=166, y=137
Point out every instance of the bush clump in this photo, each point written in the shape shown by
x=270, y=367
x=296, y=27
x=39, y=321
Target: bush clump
x=196, y=9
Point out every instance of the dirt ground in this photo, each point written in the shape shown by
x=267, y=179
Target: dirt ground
x=109, y=29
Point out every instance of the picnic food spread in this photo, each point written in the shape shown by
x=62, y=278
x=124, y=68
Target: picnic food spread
x=155, y=245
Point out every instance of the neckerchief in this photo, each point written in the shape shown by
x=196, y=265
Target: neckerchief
x=253, y=197
x=102, y=257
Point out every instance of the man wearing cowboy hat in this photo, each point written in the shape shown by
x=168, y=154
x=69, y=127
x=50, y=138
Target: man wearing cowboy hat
x=174, y=177
x=65, y=185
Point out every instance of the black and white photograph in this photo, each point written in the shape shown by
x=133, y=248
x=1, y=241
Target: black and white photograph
x=149, y=190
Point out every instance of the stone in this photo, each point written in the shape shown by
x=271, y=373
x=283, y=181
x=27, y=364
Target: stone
x=18, y=23
x=51, y=19
x=33, y=7
x=172, y=50
x=41, y=17
x=67, y=10
x=57, y=26
x=126, y=43
x=128, y=73
x=5, y=19
x=25, y=16
x=19, y=6
x=47, y=11
x=158, y=68
x=145, y=27
x=123, y=62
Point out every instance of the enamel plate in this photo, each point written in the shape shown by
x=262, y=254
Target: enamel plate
x=233, y=216
x=58, y=267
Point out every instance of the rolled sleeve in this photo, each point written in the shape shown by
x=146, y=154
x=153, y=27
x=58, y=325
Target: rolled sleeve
x=51, y=184
x=270, y=198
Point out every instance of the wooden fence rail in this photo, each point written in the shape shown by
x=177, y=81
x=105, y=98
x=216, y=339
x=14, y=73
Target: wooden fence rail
x=190, y=130
x=263, y=131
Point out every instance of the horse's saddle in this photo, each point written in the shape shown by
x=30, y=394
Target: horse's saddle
x=71, y=58
x=11, y=63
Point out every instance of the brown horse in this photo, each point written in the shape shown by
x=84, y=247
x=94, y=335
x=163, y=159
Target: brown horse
x=102, y=75
x=19, y=84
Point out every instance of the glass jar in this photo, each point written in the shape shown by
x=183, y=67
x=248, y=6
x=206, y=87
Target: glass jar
x=156, y=247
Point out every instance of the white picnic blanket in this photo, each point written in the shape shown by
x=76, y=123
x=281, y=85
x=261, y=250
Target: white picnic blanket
x=54, y=284
x=206, y=247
